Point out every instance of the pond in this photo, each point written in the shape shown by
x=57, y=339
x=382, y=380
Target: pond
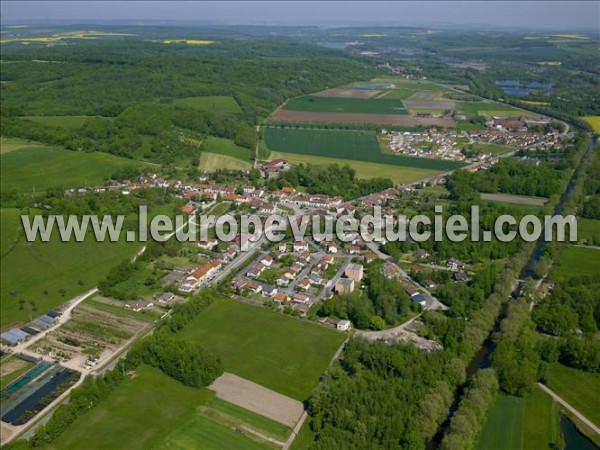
x=574, y=439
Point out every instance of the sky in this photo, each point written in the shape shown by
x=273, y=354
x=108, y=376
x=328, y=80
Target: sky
x=482, y=14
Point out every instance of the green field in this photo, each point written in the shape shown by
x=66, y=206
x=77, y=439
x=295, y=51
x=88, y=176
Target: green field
x=364, y=170
x=540, y=425
x=66, y=122
x=11, y=144
x=489, y=109
x=36, y=169
x=588, y=231
x=344, y=145
x=581, y=389
x=575, y=261
x=38, y=271
x=151, y=411
x=503, y=428
x=280, y=352
x=219, y=104
x=10, y=229
x=227, y=147
x=210, y=162
x=13, y=368
x=495, y=149
x=346, y=105
x=594, y=122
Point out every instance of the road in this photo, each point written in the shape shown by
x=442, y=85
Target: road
x=564, y=403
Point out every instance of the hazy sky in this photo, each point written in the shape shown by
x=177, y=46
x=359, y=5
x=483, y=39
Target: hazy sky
x=532, y=14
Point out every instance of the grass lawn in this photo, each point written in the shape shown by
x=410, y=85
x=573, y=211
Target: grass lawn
x=594, y=122
x=581, y=389
x=67, y=122
x=540, y=426
x=364, y=170
x=495, y=149
x=575, y=261
x=503, y=428
x=280, y=352
x=37, y=271
x=39, y=168
x=219, y=104
x=588, y=230
x=346, y=105
x=10, y=229
x=211, y=162
x=8, y=144
x=227, y=147
x=219, y=209
x=344, y=145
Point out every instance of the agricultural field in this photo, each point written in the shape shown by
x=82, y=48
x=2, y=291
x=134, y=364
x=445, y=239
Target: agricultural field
x=594, y=122
x=491, y=109
x=515, y=199
x=344, y=145
x=345, y=105
x=36, y=169
x=575, y=261
x=580, y=389
x=227, y=147
x=282, y=353
x=165, y=414
x=12, y=368
x=210, y=162
x=364, y=170
x=503, y=428
x=347, y=93
x=588, y=231
x=66, y=122
x=188, y=41
x=219, y=104
x=284, y=115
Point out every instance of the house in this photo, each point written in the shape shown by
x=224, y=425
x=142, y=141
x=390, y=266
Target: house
x=344, y=286
x=254, y=287
x=203, y=272
x=295, y=269
x=389, y=270
x=300, y=246
x=304, y=284
x=266, y=208
x=302, y=298
x=240, y=284
x=369, y=257
x=317, y=280
x=166, y=297
x=231, y=252
x=277, y=165
x=421, y=253
x=208, y=244
x=255, y=271
x=429, y=284
x=269, y=291
x=331, y=247
x=282, y=247
x=460, y=276
x=280, y=297
x=454, y=264
x=267, y=261
x=187, y=209
x=186, y=288
x=410, y=291
x=343, y=325
x=284, y=280
x=138, y=305
x=354, y=271
x=353, y=250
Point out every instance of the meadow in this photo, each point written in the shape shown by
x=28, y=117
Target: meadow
x=219, y=104
x=11, y=144
x=10, y=229
x=227, y=147
x=36, y=169
x=346, y=105
x=588, y=231
x=279, y=352
x=489, y=109
x=210, y=162
x=344, y=145
x=575, y=261
x=581, y=389
x=364, y=170
x=152, y=411
x=594, y=122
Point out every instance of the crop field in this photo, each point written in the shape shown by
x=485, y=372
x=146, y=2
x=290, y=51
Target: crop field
x=66, y=122
x=46, y=274
x=503, y=428
x=364, y=170
x=429, y=105
x=282, y=353
x=12, y=368
x=347, y=93
x=219, y=104
x=227, y=147
x=576, y=261
x=491, y=109
x=164, y=414
x=211, y=162
x=594, y=122
x=344, y=145
x=345, y=105
x=284, y=115
x=36, y=169
x=581, y=389
x=588, y=231
x=516, y=199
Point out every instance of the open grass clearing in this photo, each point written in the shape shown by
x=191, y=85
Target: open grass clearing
x=9, y=144
x=540, y=424
x=503, y=427
x=575, y=261
x=36, y=169
x=279, y=352
x=588, y=231
x=364, y=170
x=594, y=122
x=210, y=162
x=10, y=229
x=580, y=389
x=219, y=104
x=227, y=147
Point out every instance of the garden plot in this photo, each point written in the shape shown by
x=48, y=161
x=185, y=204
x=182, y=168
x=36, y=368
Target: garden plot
x=91, y=332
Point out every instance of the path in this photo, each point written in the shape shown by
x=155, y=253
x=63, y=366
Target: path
x=564, y=403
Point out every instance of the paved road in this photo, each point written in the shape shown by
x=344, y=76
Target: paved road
x=564, y=403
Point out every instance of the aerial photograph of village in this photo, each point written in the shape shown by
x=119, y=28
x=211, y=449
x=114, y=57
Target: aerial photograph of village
x=300, y=225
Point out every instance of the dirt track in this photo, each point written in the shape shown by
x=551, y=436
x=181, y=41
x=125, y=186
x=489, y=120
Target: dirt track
x=374, y=119
x=258, y=399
